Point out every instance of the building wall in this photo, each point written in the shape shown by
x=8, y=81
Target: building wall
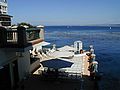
x=3, y=7
x=24, y=64
x=6, y=57
x=34, y=65
x=3, y=58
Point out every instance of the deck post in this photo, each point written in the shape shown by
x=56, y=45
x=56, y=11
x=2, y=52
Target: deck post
x=22, y=40
x=3, y=37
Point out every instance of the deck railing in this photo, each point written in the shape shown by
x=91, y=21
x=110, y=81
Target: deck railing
x=21, y=36
x=32, y=34
x=12, y=35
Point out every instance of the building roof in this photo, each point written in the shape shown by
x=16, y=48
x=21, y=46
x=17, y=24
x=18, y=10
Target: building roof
x=5, y=15
x=40, y=26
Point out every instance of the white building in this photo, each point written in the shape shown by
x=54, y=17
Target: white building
x=5, y=19
x=3, y=7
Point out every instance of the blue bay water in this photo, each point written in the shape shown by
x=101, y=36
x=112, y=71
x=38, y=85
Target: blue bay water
x=106, y=42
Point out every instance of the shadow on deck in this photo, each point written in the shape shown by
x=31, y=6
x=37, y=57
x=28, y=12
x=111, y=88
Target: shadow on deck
x=37, y=82
x=89, y=83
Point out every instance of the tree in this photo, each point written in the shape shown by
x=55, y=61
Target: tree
x=25, y=24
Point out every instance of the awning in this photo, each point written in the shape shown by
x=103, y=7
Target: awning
x=39, y=45
x=44, y=43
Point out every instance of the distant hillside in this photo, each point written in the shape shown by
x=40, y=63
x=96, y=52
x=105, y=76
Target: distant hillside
x=117, y=25
x=110, y=25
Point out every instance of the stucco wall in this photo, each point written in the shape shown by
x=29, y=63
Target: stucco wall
x=6, y=57
x=34, y=65
x=24, y=64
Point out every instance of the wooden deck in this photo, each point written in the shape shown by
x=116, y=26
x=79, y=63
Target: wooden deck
x=36, y=81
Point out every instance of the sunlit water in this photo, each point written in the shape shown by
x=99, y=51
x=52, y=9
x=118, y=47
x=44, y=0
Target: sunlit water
x=106, y=42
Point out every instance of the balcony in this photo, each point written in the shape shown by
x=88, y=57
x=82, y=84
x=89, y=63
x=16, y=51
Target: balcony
x=21, y=38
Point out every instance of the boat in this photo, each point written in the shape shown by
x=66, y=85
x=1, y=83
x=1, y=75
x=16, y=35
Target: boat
x=110, y=27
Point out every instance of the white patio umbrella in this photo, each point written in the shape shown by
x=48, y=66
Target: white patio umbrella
x=59, y=54
x=39, y=45
x=66, y=48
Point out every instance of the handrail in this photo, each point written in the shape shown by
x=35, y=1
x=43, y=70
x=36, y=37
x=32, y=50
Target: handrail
x=31, y=34
x=20, y=36
x=12, y=35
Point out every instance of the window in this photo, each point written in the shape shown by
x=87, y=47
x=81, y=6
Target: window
x=5, y=1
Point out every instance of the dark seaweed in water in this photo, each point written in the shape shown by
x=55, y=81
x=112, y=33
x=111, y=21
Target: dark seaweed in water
x=106, y=43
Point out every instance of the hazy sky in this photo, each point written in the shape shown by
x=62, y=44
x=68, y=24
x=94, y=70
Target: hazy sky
x=65, y=12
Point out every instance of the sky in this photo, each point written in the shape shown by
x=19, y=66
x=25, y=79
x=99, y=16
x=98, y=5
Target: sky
x=65, y=12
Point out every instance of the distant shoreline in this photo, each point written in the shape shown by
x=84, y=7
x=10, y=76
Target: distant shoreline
x=81, y=26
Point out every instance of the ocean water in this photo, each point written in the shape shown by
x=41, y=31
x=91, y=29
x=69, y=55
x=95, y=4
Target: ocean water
x=106, y=42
